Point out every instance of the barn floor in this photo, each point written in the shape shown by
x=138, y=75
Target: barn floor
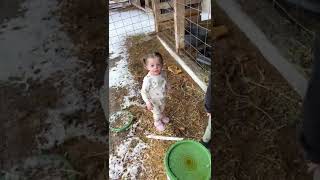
x=132, y=155
x=49, y=82
x=257, y=114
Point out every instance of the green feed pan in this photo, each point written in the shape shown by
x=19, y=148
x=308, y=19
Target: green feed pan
x=125, y=126
x=188, y=160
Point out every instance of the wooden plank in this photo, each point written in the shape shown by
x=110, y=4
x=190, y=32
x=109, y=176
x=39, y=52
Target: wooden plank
x=156, y=12
x=119, y=1
x=163, y=28
x=193, y=12
x=179, y=14
x=192, y=1
x=148, y=9
x=139, y=7
x=136, y=2
x=187, y=2
x=169, y=16
x=166, y=5
x=166, y=25
x=165, y=17
x=149, y=4
x=194, y=19
x=119, y=5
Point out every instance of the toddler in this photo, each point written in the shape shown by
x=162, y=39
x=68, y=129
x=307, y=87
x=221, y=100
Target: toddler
x=154, y=89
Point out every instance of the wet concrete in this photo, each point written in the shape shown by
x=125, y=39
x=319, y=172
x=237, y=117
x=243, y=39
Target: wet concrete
x=35, y=50
x=48, y=97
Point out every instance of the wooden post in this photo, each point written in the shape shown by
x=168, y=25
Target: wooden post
x=156, y=12
x=179, y=18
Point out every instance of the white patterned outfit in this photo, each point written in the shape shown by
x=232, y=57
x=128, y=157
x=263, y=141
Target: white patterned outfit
x=154, y=91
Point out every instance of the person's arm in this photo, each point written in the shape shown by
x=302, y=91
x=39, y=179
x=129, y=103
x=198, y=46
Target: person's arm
x=310, y=135
x=145, y=93
x=208, y=98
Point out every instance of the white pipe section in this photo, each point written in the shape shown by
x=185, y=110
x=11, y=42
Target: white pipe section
x=168, y=138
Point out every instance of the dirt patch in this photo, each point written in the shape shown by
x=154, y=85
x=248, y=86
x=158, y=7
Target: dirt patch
x=185, y=105
x=257, y=113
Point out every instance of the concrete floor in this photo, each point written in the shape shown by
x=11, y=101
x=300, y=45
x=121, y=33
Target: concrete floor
x=46, y=97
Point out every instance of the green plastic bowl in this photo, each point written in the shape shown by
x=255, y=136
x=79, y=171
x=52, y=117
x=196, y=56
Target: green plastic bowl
x=125, y=126
x=188, y=160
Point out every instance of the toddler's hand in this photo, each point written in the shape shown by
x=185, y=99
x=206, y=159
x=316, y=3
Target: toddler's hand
x=149, y=106
x=208, y=114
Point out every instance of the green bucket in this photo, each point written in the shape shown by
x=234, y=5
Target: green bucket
x=188, y=160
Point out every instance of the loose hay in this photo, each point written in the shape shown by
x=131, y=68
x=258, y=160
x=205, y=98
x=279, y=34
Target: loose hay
x=184, y=107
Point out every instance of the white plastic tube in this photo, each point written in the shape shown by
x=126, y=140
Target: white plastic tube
x=164, y=138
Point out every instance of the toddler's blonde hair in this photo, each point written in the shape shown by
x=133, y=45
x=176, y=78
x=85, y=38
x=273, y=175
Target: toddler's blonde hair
x=155, y=55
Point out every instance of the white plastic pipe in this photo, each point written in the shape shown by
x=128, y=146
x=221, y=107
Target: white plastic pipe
x=164, y=138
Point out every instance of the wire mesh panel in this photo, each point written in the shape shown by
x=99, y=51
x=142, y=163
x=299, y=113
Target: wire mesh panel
x=197, y=29
x=128, y=20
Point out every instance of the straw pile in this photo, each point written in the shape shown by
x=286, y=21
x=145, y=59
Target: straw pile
x=185, y=105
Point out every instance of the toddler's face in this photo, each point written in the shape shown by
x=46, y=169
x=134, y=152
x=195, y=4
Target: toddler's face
x=154, y=66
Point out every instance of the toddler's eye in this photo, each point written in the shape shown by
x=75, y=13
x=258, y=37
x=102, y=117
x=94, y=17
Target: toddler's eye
x=152, y=65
